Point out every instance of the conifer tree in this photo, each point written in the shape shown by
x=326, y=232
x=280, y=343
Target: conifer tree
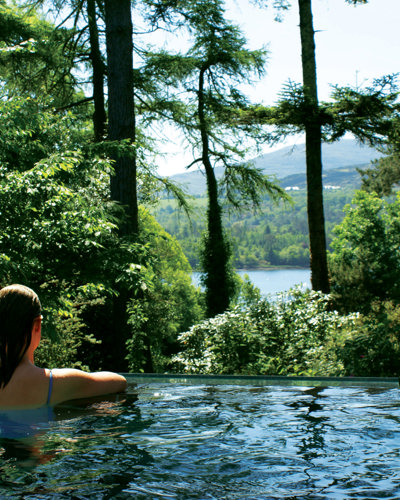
x=312, y=126
x=366, y=114
x=35, y=59
x=121, y=111
x=210, y=73
x=82, y=41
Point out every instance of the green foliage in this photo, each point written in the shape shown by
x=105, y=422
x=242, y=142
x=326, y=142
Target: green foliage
x=71, y=346
x=57, y=224
x=35, y=58
x=293, y=336
x=275, y=235
x=50, y=230
x=244, y=186
x=373, y=347
x=366, y=259
x=248, y=293
x=218, y=276
x=299, y=334
x=384, y=175
x=58, y=234
x=167, y=304
x=31, y=130
x=368, y=113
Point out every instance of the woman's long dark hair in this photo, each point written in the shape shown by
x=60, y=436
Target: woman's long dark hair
x=19, y=306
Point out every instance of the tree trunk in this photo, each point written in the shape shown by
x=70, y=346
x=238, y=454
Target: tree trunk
x=215, y=251
x=99, y=115
x=121, y=113
x=315, y=204
x=216, y=255
x=121, y=126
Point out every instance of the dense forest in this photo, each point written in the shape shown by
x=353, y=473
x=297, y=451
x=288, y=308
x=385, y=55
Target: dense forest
x=276, y=235
x=86, y=220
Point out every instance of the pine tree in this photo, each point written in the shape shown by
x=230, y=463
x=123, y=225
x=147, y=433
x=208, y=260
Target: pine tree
x=209, y=75
x=312, y=125
x=121, y=110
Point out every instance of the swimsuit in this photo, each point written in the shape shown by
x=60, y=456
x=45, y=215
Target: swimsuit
x=22, y=423
x=50, y=388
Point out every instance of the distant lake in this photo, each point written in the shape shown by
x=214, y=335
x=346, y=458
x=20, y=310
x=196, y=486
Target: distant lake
x=275, y=280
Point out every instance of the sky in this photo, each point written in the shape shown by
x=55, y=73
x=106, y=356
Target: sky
x=354, y=45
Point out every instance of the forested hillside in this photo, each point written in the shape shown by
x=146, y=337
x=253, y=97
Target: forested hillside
x=276, y=234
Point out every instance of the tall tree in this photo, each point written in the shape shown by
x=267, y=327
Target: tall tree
x=216, y=254
x=365, y=114
x=315, y=204
x=121, y=109
x=306, y=116
x=210, y=74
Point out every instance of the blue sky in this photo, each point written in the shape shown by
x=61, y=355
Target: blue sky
x=354, y=45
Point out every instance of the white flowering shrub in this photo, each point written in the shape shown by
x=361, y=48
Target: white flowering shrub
x=296, y=335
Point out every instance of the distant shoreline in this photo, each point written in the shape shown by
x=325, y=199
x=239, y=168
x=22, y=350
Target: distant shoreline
x=263, y=268
x=270, y=268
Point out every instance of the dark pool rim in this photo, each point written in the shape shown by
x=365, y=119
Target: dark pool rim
x=182, y=378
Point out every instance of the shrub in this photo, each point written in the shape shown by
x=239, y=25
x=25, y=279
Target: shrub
x=365, y=263
x=293, y=336
x=372, y=348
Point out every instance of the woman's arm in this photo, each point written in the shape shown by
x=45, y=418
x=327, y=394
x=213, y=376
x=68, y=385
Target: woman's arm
x=69, y=384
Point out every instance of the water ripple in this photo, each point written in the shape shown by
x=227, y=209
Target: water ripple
x=222, y=442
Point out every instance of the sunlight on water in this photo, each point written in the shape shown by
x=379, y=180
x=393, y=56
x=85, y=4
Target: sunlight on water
x=214, y=442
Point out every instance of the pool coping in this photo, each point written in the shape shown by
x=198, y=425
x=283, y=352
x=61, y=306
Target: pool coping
x=183, y=378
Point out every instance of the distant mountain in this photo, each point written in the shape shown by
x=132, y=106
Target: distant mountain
x=194, y=182
x=343, y=177
x=289, y=165
x=292, y=159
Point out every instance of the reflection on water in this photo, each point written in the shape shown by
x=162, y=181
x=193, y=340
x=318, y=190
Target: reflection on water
x=216, y=441
x=312, y=423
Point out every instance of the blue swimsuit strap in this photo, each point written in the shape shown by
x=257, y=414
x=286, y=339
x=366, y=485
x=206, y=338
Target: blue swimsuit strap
x=50, y=388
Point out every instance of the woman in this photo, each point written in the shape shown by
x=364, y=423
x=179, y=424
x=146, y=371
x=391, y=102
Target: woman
x=24, y=385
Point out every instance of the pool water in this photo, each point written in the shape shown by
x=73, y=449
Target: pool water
x=213, y=441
